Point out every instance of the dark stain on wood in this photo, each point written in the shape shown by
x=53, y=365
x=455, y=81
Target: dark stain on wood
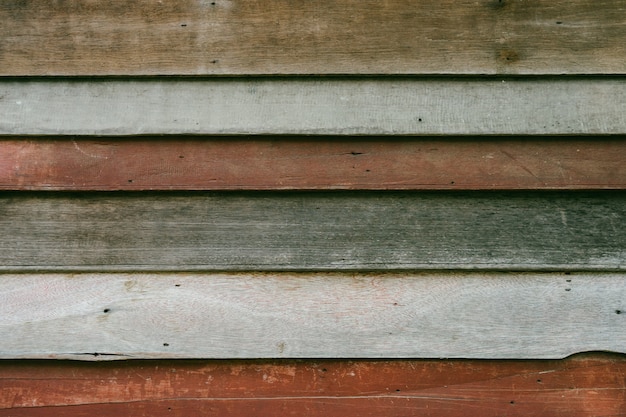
x=508, y=56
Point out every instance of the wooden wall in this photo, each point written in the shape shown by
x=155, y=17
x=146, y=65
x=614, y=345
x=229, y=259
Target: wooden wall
x=227, y=207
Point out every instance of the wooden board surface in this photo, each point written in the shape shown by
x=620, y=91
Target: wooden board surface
x=253, y=315
x=580, y=386
x=192, y=37
x=329, y=106
x=319, y=163
x=312, y=231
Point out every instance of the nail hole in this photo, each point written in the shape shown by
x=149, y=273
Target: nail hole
x=618, y=311
x=106, y=310
x=166, y=344
x=509, y=55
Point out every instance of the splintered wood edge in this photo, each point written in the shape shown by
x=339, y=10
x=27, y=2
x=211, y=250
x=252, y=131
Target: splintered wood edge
x=101, y=317
x=305, y=163
x=330, y=106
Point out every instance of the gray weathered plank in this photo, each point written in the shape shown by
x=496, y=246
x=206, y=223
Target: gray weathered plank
x=313, y=231
x=376, y=106
x=425, y=315
x=146, y=37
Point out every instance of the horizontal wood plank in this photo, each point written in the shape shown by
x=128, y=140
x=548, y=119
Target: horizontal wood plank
x=320, y=163
x=252, y=315
x=325, y=106
x=576, y=387
x=312, y=231
x=234, y=37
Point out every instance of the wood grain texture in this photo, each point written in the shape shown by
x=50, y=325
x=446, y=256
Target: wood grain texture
x=234, y=37
x=253, y=315
x=312, y=231
x=320, y=163
x=327, y=106
x=580, y=386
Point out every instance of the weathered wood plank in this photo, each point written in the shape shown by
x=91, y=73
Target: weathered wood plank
x=419, y=315
x=312, y=231
x=235, y=37
x=321, y=163
x=333, y=106
x=576, y=387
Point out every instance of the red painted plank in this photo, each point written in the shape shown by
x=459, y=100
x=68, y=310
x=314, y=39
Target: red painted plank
x=185, y=163
x=584, y=385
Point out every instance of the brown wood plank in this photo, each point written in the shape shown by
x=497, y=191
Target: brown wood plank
x=322, y=163
x=80, y=37
x=584, y=385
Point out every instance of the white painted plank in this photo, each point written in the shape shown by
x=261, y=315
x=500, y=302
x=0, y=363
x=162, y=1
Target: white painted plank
x=307, y=231
x=376, y=106
x=427, y=315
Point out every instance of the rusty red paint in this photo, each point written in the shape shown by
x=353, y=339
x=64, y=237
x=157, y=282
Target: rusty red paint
x=184, y=163
x=584, y=385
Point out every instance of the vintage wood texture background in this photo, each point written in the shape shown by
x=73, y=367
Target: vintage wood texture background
x=294, y=208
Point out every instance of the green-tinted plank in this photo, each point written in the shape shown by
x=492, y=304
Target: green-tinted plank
x=313, y=231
